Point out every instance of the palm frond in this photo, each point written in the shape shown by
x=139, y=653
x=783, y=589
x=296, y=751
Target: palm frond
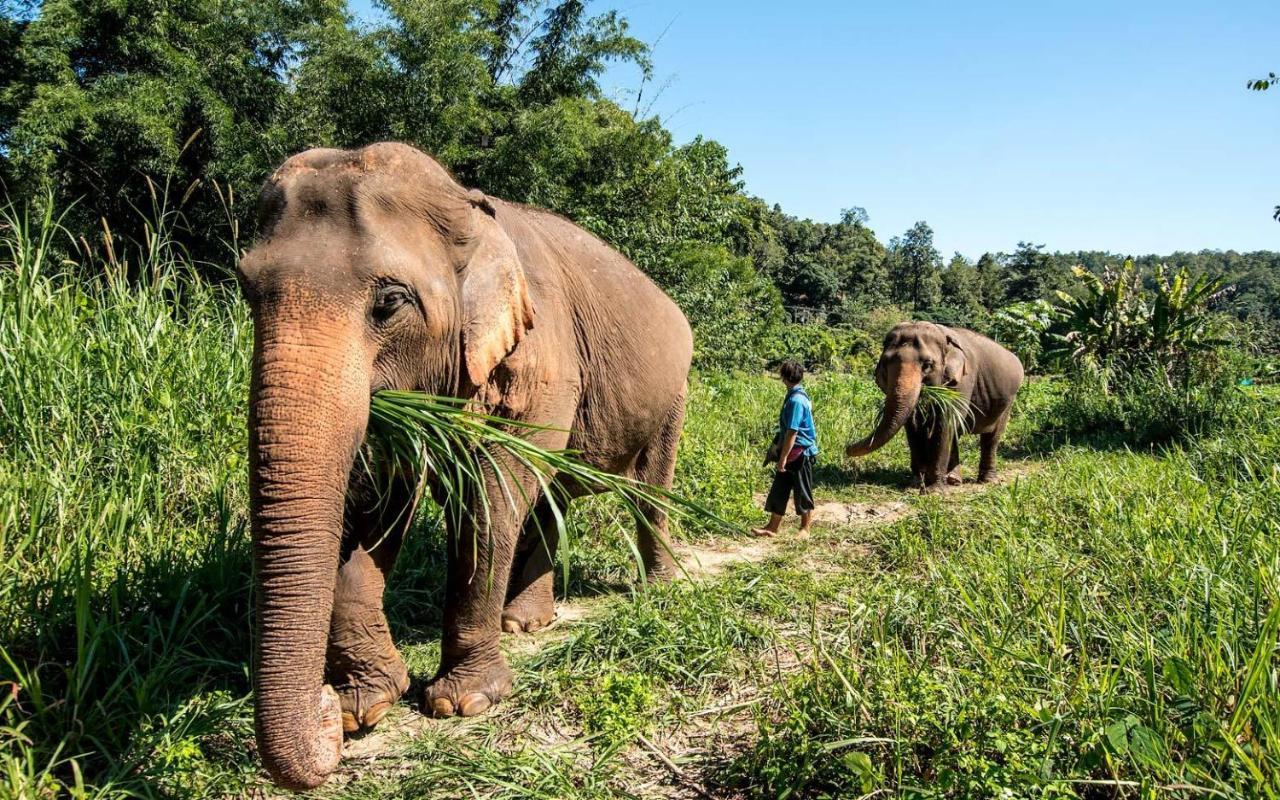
x=944, y=405
x=421, y=435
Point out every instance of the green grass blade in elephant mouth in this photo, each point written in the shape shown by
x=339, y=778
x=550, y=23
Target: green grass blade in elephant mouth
x=420, y=434
x=944, y=405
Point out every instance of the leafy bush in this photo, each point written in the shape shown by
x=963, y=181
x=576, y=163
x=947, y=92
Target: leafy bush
x=1022, y=327
x=1144, y=365
x=814, y=345
x=1143, y=403
x=735, y=314
x=616, y=709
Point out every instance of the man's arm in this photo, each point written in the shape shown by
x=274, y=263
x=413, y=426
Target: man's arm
x=788, y=442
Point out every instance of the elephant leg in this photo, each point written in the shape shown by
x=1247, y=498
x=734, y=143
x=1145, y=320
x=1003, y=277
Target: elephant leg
x=918, y=444
x=656, y=466
x=531, y=602
x=937, y=460
x=990, y=442
x=361, y=661
x=953, y=463
x=473, y=673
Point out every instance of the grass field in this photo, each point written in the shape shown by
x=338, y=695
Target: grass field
x=1102, y=623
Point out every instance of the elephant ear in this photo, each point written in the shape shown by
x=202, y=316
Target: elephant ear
x=954, y=361
x=496, y=309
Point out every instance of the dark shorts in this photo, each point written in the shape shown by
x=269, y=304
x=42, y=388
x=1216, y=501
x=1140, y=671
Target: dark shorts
x=797, y=481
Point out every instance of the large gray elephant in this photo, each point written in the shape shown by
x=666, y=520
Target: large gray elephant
x=986, y=375
x=375, y=270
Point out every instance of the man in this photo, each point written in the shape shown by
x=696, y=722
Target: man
x=797, y=443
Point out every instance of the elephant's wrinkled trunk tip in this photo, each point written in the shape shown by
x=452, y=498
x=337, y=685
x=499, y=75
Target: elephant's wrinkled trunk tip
x=307, y=762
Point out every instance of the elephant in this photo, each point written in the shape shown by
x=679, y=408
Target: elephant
x=374, y=269
x=986, y=375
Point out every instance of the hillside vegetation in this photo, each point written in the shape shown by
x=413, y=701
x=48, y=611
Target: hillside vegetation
x=1105, y=621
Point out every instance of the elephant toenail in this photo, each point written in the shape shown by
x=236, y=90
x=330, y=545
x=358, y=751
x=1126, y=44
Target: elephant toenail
x=474, y=703
x=441, y=707
x=349, y=723
x=375, y=714
x=511, y=626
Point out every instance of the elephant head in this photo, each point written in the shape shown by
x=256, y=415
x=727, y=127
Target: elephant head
x=373, y=270
x=914, y=353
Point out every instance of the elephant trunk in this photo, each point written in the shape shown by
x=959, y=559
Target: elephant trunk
x=903, y=392
x=308, y=409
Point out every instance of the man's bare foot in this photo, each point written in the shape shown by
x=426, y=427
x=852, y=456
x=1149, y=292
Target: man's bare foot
x=803, y=533
x=763, y=532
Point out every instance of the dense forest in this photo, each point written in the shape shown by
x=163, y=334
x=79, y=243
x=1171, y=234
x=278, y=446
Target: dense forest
x=101, y=99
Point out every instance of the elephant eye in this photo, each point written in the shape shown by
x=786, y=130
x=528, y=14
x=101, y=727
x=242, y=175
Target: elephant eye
x=928, y=365
x=389, y=299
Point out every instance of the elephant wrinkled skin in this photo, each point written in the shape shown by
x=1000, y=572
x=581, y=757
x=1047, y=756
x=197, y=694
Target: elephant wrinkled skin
x=375, y=270
x=986, y=375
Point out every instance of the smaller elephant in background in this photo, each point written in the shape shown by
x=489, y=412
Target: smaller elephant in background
x=986, y=375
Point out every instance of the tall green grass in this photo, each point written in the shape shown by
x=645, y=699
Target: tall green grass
x=1106, y=628
x=123, y=602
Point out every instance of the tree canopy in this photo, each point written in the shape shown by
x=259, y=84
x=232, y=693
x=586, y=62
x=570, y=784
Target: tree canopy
x=204, y=97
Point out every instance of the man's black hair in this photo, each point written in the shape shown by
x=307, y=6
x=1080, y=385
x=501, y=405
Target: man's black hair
x=791, y=371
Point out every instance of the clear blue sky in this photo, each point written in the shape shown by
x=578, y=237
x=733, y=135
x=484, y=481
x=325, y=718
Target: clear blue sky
x=1123, y=126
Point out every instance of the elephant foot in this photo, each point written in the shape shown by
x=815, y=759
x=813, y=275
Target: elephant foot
x=953, y=478
x=664, y=572
x=937, y=487
x=526, y=615
x=468, y=688
x=987, y=477
x=368, y=691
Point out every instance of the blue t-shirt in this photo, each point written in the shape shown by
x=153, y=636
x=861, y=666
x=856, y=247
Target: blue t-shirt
x=797, y=415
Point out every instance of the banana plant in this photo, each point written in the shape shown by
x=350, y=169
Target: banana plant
x=1117, y=319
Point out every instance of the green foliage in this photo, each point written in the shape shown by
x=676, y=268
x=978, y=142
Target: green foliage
x=1141, y=402
x=1033, y=274
x=823, y=270
x=615, y=709
x=1023, y=327
x=915, y=269
x=943, y=405
x=1116, y=319
x=736, y=315
x=572, y=49
x=991, y=281
x=817, y=347
x=1262, y=84
x=961, y=302
x=1066, y=636
x=1146, y=365
x=124, y=596
x=103, y=92
x=207, y=97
